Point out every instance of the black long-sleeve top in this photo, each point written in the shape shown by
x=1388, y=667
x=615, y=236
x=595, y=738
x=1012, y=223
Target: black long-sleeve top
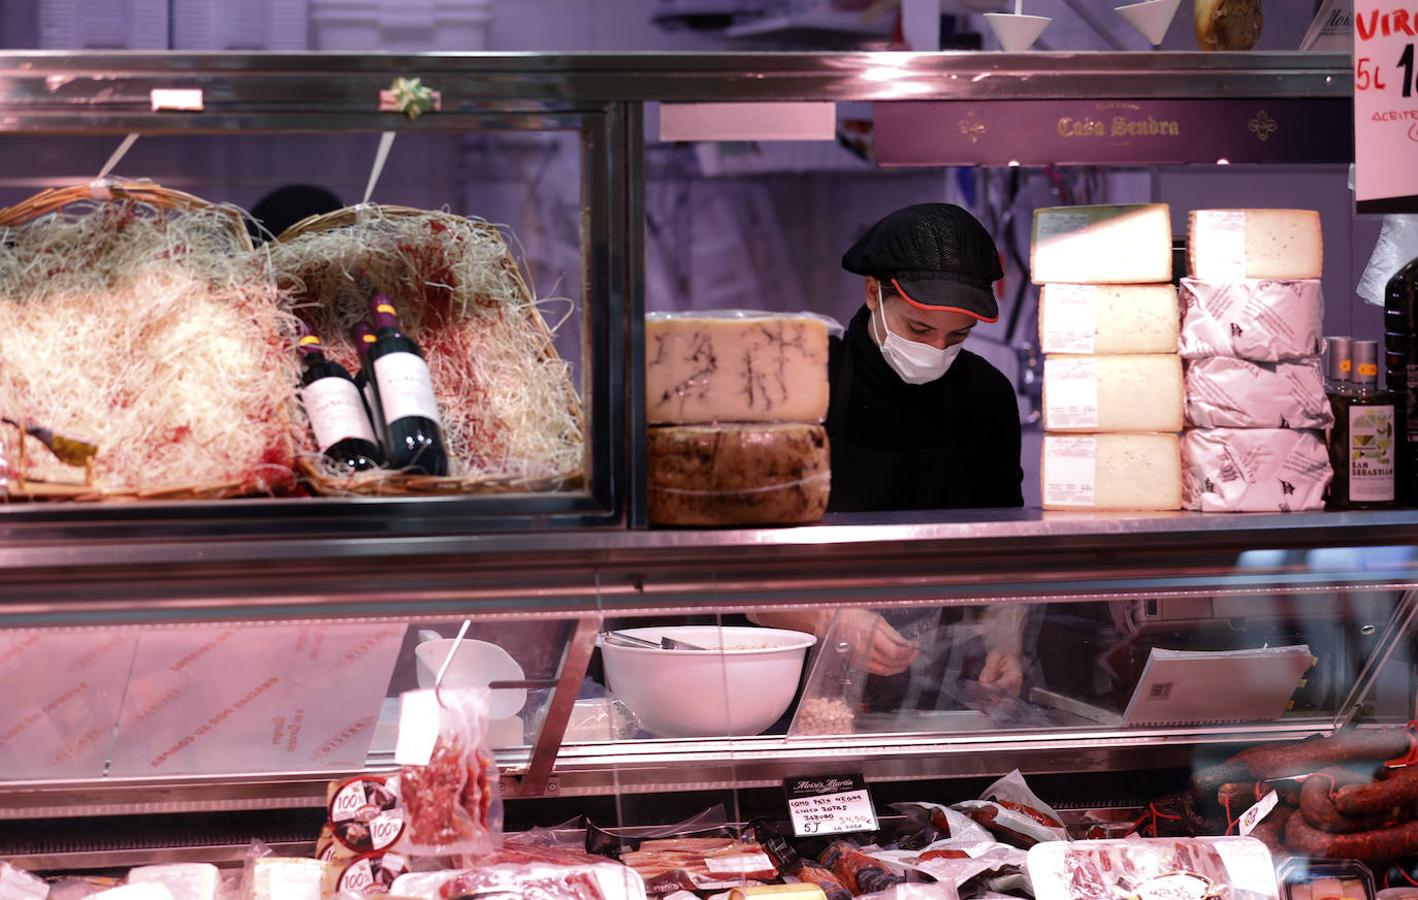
x=953, y=443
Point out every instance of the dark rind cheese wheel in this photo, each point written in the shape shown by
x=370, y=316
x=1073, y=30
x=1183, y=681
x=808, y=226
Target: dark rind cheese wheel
x=710, y=475
x=1228, y=24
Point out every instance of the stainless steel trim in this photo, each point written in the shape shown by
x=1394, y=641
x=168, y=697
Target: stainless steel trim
x=41, y=91
x=1399, y=630
x=573, y=675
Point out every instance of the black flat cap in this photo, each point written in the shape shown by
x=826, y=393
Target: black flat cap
x=936, y=255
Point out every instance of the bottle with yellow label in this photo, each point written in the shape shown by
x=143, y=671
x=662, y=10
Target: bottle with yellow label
x=1363, y=445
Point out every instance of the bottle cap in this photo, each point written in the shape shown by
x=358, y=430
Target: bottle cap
x=309, y=342
x=363, y=335
x=383, y=311
x=1366, y=362
x=1341, y=358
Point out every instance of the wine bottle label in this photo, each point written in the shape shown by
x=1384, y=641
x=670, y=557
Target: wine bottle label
x=405, y=387
x=371, y=401
x=1411, y=404
x=336, y=412
x=1371, y=453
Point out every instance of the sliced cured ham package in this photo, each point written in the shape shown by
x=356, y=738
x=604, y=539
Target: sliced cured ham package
x=1236, y=868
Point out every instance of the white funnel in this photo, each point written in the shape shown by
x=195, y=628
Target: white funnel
x=1017, y=33
x=1151, y=17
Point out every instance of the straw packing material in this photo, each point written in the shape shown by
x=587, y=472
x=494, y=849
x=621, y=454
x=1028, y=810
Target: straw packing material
x=509, y=411
x=153, y=334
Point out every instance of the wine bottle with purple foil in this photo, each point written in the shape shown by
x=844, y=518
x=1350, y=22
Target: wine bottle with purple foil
x=413, y=434
x=363, y=338
x=336, y=411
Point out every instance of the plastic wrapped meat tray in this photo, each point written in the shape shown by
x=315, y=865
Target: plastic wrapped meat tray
x=1233, y=868
x=533, y=873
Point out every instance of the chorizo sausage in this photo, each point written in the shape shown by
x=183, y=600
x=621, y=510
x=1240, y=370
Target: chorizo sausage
x=1283, y=760
x=1370, y=847
x=1393, y=796
x=1317, y=804
x=1271, y=830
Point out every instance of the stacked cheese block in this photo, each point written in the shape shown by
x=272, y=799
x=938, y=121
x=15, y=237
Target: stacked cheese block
x=1108, y=323
x=735, y=402
x=1252, y=330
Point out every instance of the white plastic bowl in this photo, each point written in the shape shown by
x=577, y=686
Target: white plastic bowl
x=477, y=664
x=735, y=692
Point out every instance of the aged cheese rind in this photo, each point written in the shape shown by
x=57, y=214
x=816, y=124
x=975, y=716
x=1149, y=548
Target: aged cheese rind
x=1131, y=393
x=1123, y=472
x=186, y=881
x=738, y=474
x=1111, y=244
x=1238, y=393
x=1109, y=319
x=701, y=370
x=1270, y=244
x=1264, y=321
x=1254, y=470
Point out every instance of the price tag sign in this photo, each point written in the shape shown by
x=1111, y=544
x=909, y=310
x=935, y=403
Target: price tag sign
x=829, y=804
x=1251, y=817
x=1385, y=106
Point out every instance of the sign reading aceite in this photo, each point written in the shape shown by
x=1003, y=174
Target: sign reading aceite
x=1385, y=106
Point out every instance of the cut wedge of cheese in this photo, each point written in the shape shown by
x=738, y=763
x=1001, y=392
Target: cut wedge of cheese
x=1118, y=244
x=702, y=368
x=1254, y=470
x=1109, y=319
x=1226, y=245
x=738, y=474
x=1116, y=472
x=1132, y=393
x=186, y=881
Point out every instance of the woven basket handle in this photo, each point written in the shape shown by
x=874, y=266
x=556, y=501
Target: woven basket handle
x=112, y=190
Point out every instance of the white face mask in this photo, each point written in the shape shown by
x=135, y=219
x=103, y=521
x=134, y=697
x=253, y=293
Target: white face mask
x=914, y=362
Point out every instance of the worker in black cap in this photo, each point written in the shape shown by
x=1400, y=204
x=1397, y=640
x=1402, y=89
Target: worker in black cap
x=916, y=421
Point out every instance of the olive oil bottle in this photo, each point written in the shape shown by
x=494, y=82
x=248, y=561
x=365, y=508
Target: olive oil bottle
x=1363, y=444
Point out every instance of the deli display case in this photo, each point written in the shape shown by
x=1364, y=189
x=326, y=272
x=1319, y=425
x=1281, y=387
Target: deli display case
x=189, y=676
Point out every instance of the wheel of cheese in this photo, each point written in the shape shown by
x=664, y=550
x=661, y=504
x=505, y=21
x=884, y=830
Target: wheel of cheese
x=1228, y=24
x=712, y=475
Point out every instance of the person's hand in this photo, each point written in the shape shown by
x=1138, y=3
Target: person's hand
x=878, y=646
x=1003, y=672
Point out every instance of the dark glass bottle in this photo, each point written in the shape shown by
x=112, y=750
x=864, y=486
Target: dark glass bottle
x=333, y=404
x=1362, y=447
x=363, y=338
x=413, y=435
x=1401, y=369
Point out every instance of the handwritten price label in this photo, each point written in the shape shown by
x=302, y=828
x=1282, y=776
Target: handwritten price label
x=830, y=805
x=1385, y=106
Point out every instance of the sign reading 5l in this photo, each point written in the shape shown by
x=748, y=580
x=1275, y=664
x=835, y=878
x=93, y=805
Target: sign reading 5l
x=1385, y=106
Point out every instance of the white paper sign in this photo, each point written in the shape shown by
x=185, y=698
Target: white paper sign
x=829, y=805
x=254, y=699
x=1385, y=106
x=1253, y=816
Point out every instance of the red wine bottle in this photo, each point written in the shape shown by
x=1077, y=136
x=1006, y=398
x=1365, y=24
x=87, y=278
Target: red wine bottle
x=336, y=411
x=363, y=336
x=413, y=436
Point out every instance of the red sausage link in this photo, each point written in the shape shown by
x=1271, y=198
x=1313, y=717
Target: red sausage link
x=1395, y=796
x=1317, y=804
x=1366, y=846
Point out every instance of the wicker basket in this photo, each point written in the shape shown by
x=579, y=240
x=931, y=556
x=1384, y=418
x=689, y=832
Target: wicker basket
x=382, y=483
x=160, y=200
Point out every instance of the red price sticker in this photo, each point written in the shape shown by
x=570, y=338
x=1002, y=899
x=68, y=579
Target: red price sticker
x=1385, y=106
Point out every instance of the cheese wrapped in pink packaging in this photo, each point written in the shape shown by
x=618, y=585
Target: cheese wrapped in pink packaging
x=1235, y=393
x=1254, y=470
x=1264, y=321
